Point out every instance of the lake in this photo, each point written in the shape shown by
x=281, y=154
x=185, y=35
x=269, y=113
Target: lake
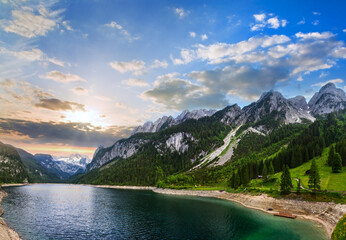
x=62, y=211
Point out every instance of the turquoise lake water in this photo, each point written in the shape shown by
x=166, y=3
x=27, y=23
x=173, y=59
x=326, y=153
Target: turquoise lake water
x=61, y=211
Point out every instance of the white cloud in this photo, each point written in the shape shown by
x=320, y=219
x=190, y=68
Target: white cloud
x=344, y=30
x=34, y=54
x=252, y=66
x=181, y=12
x=284, y=22
x=67, y=25
x=80, y=91
x=135, y=82
x=320, y=84
x=221, y=52
x=30, y=23
x=314, y=35
x=159, y=64
x=301, y=21
x=62, y=77
x=274, y=23
x=124, y=32
x=204, y=37
x=135, y=66
x=260, y=17
x=114, y=25
x=262, y=22
x=192, y=34
x=340, y=52
x=316, y=13
x=315, y=22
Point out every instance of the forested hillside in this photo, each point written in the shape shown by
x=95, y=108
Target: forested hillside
x=12, y=169
x=160, y=157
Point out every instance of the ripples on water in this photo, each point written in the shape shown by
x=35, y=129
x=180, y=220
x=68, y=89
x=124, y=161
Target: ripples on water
x=57, y=211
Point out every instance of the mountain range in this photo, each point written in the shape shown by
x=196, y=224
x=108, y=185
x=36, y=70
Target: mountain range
x=271, y=106
x=191, y=141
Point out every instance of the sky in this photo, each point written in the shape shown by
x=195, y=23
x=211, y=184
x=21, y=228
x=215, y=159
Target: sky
x=78, y=74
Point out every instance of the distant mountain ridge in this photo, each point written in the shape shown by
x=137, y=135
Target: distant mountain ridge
x=270, y=110
x=65, y=166
x=165, y=121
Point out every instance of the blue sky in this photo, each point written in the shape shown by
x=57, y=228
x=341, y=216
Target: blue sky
x=95, y=69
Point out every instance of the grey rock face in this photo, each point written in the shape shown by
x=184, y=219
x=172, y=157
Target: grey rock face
x=121, y=149
x=299, y=102
x=178, y=142
x=327, y=100
x=165, y=121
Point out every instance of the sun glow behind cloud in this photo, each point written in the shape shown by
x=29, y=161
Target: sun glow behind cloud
x=89, y=116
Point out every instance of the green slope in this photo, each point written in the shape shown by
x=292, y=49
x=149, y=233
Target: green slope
x=36, y=172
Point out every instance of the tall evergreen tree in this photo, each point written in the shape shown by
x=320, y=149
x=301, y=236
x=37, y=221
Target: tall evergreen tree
x=236, y=180
x=264, y=172
x=286, y=181
x=337, y=164
x=314, y=177
x=271, y=169
x=298, y=186
x=331, y=155
x=232, y=179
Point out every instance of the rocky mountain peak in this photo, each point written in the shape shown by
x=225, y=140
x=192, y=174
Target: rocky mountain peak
x=299, y=102
x=328, y=99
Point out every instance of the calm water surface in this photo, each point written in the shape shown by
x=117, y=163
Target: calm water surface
x=54, y=211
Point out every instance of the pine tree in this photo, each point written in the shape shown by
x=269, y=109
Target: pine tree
x=286, y=181
x=331, y=155
x=271, y=169
x=232, y=180
x=236, y=180
x=246, y=178
x=298, y=186
x=264, y=171
x=337, y=163
x=314, y=177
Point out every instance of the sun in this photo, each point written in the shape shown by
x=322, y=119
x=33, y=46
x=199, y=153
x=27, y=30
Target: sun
x=88, y=116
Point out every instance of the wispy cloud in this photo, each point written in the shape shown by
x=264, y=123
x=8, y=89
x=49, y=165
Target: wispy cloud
x=159, y=64
x=320, y=84
x=31, y=20
x=121, y=29
x=181, y=12
x=80, y=91
x=301, y=22
x=315, y=35
x=261, y=22
x=62, y=77
x=135, y=82
x=33, y=54
x=204, y=37
x=135, y=66
x=55, y=104
x=192, y=34
x=315, y=22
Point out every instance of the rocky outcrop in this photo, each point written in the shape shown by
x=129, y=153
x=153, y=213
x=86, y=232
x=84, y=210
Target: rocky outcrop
x=299, y=102
x=121, y=149
x=179, y=142
x=166, y=122
x=327, y=100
